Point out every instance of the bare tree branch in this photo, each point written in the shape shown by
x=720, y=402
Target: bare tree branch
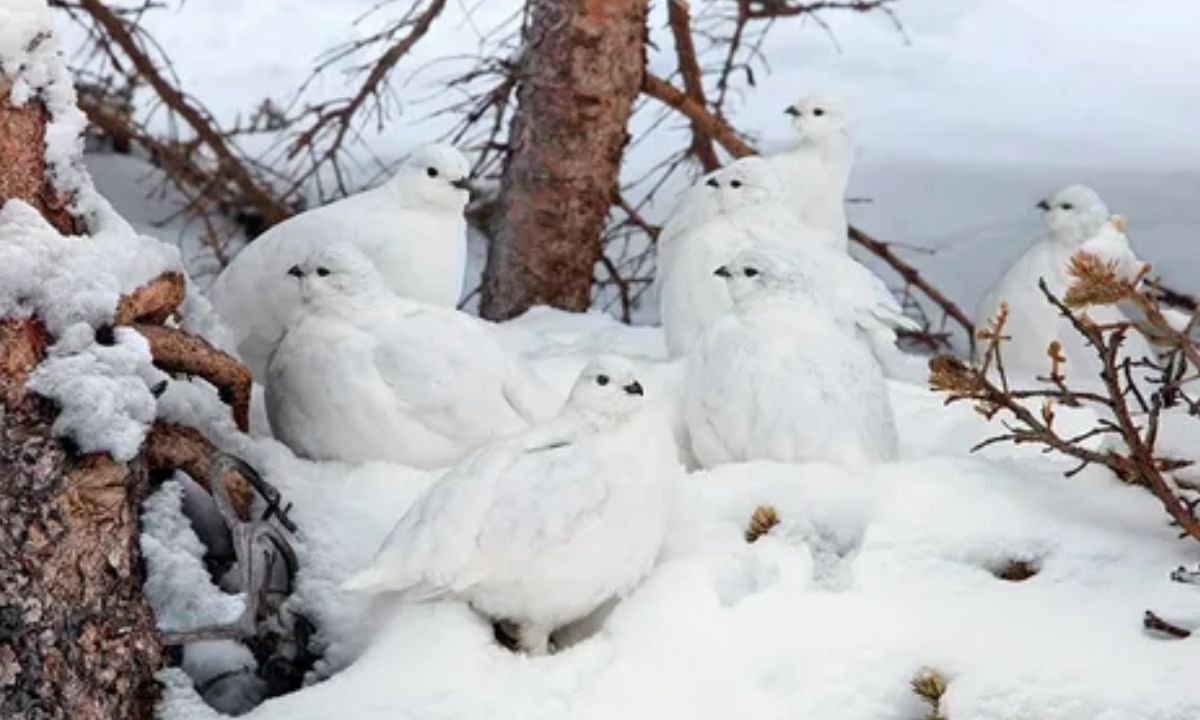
x=338, y=115
x=679, y=19
x=272, y=209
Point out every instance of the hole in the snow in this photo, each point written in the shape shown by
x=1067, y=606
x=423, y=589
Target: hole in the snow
x=1016, y=570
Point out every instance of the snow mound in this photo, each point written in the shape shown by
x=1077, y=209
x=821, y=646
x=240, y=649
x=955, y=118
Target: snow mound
x=177, y=583
x=105, y=404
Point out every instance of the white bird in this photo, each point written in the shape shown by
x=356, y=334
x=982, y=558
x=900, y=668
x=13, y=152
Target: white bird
x=750, y=214
x=1073, y=219
x=363, y=374
x=815, y=168
x=727, y=210
x=539, y=530
x=777, y=378
x=411, y=227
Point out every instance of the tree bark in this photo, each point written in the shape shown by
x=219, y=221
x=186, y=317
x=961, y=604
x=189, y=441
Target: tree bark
x=582, y=68
x=77, y=639
x=23, y=162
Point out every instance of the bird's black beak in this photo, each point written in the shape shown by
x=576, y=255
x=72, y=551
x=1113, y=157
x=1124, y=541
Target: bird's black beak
x=722, y=272
x=1043, y=205
x=791, y=110
x=634, y=388
x=462, y=184
x=295, y=271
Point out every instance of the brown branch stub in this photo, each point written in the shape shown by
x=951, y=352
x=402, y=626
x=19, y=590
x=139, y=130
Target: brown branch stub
x=1151, y=621
x=23, y=343
x=179, y=352
x=22, y=156
x=154, y=302
x=172, y=447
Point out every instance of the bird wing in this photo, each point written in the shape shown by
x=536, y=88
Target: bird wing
x=554, y=488
x=429, y=552
x=445, y=367
x=849, y=290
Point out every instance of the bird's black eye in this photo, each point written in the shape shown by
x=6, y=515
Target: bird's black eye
x=1067, y=206
x=431, y=172
x=712, y=182
x=735, y=184
x=818, y=112
x=601, y=380
x=322, y=271
x=750, y=272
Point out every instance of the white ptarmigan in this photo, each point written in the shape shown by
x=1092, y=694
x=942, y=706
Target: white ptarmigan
x=778, y=378
x=751, y=214
x=814, y=169
x=1073, y=219
x=539, y=530
x=363, y=374
x=732, y=208
x=411, y=227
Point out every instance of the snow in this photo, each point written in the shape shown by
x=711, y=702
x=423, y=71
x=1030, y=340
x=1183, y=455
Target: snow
x=867, y=579
x=105, y=404
x=870, y=577
x=178, y=585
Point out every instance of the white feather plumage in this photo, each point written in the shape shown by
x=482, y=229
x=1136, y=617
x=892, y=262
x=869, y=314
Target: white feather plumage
x=411, y=227
x=363, y=374
x=541, y=529
x=1074, y=219
x=814, y=169
x=779, y=378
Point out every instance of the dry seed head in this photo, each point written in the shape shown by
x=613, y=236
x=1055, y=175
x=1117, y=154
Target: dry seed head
x=1096, y=282
x=764, y=518
x=949, y=374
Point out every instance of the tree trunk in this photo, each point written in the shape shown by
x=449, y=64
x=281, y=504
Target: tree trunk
x=77, y=639
x=583, y=65
x=22, y=160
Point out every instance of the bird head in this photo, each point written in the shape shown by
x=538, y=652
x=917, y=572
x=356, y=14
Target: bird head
x=607, y=389
x=757, y=270
x=336, y=273
x=744, y=183
x=1073, y=214
x=819, y=117
x=435, y=176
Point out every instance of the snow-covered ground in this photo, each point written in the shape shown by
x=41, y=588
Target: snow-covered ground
x=868, y=578
x=866, y=581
